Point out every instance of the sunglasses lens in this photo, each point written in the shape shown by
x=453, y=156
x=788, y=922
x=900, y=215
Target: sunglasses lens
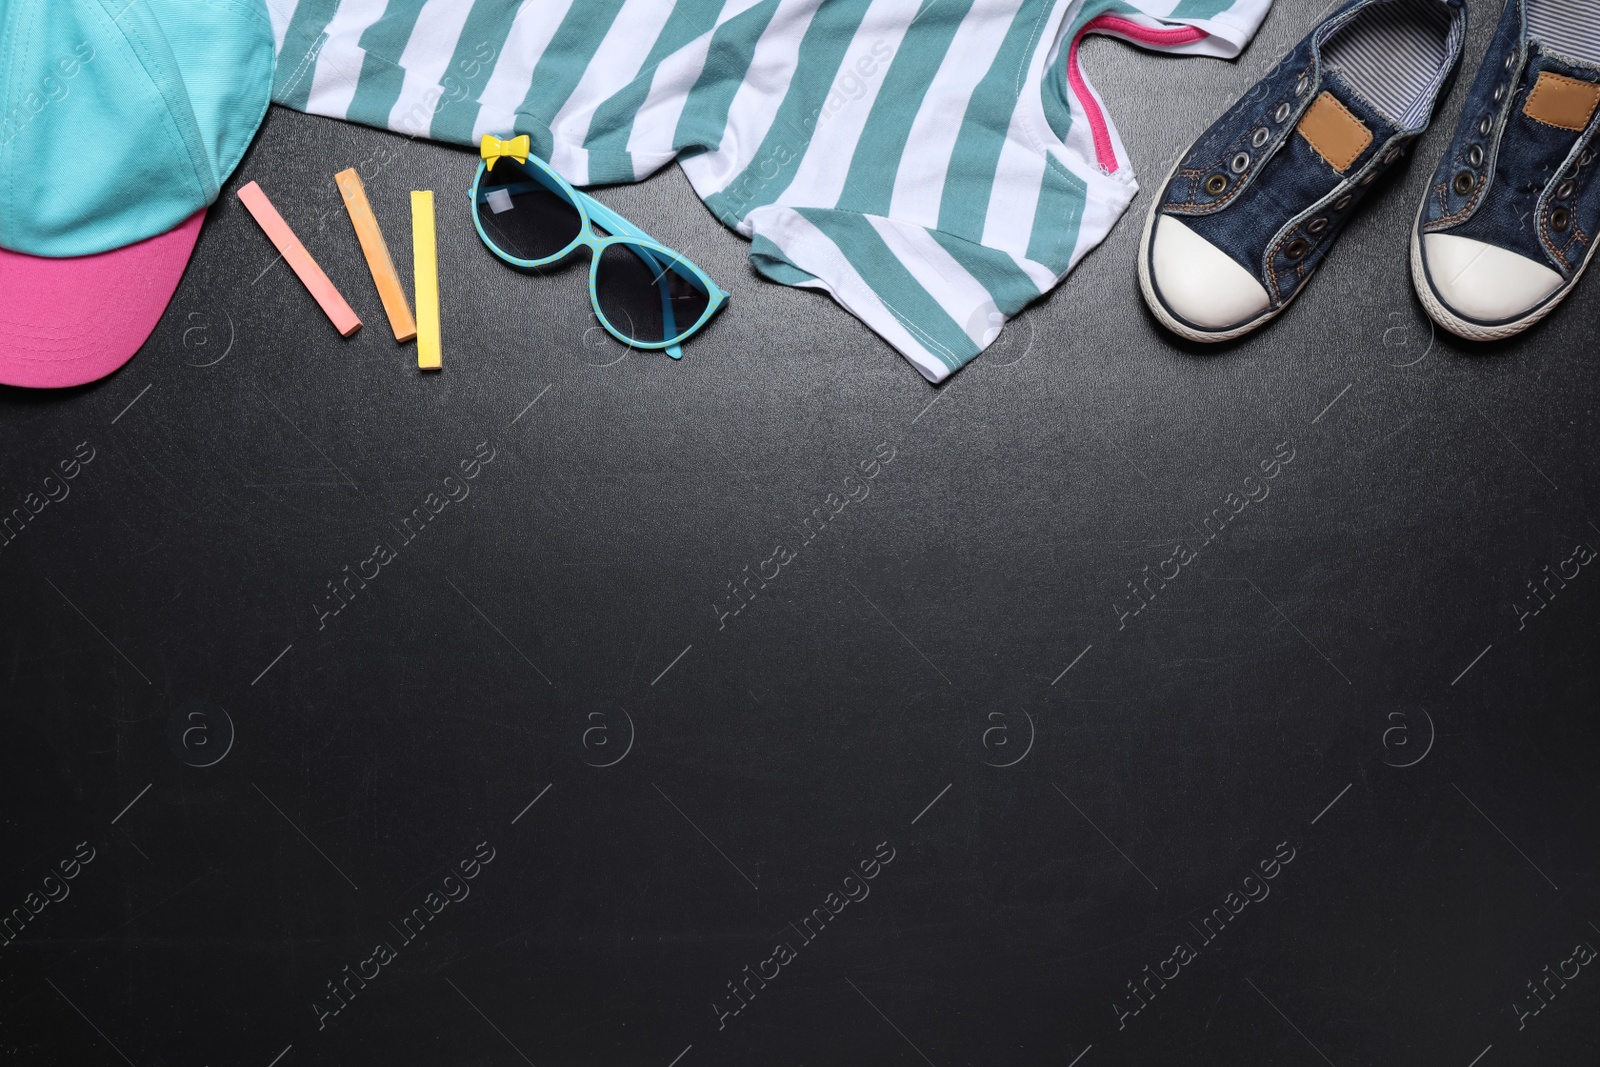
x=648, y=296
x=524, y=214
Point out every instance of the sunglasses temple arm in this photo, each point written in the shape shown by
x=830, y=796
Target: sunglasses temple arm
x=621, y=227
x=609, y=220
x=669, y=321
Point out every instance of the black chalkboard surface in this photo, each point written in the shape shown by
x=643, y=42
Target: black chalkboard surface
x=578, y=706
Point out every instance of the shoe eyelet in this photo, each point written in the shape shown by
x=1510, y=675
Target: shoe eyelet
x=1583, y=160
x=1475, y=155
x=1512, y=58
x=1343, y=202
x=1299, y=87
x=1296, y=248
x=1367, y=178
x=1282, y=112
x=1392, y=155
x=1564, y=190
x=1499, y=93
x=1239, y=163
x=1485, y=126
x=1317, y=226
x=1560, y=219
x=1465, y=182
x=1216, y=184
x=1261, y=137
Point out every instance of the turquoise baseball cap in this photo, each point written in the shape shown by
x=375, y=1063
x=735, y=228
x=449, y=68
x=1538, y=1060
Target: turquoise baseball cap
x=120, y=120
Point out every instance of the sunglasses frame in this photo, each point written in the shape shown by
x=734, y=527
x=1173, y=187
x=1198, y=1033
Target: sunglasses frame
x=592, y=213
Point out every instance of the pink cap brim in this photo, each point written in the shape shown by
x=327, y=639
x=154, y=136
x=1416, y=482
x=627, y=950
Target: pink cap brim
x=69, y=321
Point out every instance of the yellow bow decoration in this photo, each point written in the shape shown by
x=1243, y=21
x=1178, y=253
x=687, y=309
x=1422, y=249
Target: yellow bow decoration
x=495, y=149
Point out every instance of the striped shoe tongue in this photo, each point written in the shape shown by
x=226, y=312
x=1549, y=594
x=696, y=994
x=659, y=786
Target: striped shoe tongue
x=1394, y=55
x=1570, y=27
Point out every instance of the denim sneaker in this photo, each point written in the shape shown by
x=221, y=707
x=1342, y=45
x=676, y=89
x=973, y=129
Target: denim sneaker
x=1508, y=222
x=1249, y=212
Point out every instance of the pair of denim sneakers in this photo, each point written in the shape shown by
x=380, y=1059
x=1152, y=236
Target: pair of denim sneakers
x=1509, y=220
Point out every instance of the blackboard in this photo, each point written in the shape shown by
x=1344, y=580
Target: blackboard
x=775, y=707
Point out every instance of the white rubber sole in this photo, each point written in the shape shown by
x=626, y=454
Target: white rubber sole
x=1440, y=313
x=1159, y=310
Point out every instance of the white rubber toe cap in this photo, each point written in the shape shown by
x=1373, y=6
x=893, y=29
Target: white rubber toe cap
x=1483, y=282
x=1199, y=281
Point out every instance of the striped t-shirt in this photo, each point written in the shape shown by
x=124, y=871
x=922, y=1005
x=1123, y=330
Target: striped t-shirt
x=934, y=165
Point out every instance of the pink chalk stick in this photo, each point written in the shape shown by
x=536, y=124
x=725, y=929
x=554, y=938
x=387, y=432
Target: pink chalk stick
x=316, y=282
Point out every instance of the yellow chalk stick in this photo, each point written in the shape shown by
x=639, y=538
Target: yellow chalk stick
x=425, y=260
x=376, y=250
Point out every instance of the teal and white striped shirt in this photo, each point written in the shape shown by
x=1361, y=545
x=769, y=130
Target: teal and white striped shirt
x=934, y=165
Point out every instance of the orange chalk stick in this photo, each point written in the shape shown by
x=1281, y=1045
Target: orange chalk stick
x=376, y=250
x=295, y=254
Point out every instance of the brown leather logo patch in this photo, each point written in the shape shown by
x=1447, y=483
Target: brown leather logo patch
x=1563, y=102
x=1336, y=135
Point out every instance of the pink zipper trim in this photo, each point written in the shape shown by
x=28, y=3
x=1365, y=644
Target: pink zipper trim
x=1105, y=154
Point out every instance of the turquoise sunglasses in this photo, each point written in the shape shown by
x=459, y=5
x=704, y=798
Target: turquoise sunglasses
x=644, y=294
